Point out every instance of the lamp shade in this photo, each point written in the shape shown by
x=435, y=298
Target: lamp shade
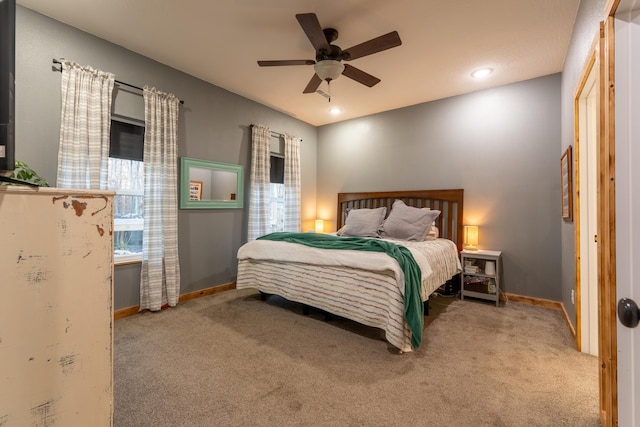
x=471, y=237
x=319, y=226
x=328, y=69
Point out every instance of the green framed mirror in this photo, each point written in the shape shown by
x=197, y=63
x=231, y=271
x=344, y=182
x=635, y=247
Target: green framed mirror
x=210, y=185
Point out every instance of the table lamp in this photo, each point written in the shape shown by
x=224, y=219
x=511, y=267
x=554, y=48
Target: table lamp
x=471, y=237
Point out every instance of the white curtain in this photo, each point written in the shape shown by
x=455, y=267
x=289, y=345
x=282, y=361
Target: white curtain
x=291, y=183
x=160, y=276
x=83, y=154
x=259, y=197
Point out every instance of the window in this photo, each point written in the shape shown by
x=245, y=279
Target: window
x=126, y=178
x=277, y=193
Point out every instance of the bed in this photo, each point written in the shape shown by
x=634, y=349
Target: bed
x=364, y=287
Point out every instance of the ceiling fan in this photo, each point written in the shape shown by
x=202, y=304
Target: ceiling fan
x=328, y=63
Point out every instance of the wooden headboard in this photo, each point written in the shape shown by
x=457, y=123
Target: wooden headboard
x=449, y=202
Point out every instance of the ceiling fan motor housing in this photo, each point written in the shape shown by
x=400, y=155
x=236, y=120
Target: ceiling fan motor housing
x=335, y=54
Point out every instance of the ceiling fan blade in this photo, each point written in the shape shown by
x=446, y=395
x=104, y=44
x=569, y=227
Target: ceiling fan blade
x=360, y=76
x=378, y=44
x=313, y=84
x=286, y=62
x=311, y=26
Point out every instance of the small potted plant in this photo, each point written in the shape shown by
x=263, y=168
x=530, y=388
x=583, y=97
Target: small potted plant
x=24, y=175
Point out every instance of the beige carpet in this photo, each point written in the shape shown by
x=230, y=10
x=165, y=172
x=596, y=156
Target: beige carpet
x=233, y=360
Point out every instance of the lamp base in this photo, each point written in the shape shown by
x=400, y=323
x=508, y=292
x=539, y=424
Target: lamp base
x=470, y=248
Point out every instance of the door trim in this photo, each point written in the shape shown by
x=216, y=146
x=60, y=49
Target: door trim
x=593, y=61
x=608, y=345
x=604, y=45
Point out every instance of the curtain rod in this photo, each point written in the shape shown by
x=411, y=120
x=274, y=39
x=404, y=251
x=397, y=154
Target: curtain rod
x=57, y=61
x=277, y=134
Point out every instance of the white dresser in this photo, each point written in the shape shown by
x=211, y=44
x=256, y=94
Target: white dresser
x=56, y=313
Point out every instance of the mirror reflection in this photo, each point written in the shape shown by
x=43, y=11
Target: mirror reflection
x=210, y=184
x=206, y=184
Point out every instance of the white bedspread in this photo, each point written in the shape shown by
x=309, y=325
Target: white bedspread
x=438, y=258
x=367, y=287
x=268, y=250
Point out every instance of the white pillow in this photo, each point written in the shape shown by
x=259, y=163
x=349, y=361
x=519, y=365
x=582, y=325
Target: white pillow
x=363, y=222
x=408, y=223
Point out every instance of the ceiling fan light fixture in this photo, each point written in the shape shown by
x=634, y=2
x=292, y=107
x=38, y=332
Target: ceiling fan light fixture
x=328, y=69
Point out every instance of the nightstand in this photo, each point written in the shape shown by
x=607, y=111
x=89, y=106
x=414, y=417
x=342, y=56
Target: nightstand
x=481, y=275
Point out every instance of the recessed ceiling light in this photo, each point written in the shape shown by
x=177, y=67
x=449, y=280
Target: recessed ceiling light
x=335, y=110
x=483, y=72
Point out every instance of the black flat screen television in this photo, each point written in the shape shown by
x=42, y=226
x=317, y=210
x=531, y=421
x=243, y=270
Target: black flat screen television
x=7, y=85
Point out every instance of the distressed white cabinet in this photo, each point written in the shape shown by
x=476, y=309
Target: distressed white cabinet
x=56, y=313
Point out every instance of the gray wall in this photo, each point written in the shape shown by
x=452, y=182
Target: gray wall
x=500, y=145
x=213, y=125
x=586, y=28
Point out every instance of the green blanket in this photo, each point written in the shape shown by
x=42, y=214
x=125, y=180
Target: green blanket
x=413, y=308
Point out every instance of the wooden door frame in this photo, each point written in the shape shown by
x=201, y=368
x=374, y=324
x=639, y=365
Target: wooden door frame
x=604, y=48
x=592, y=61
x=608, y=343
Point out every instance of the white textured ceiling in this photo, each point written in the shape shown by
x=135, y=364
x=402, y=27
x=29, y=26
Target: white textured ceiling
x=442, y=43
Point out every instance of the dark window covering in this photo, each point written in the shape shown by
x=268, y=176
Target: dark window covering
x=127, y=141
x=277, y=170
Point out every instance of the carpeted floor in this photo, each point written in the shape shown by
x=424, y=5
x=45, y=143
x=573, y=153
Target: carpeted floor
x=233, y=360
